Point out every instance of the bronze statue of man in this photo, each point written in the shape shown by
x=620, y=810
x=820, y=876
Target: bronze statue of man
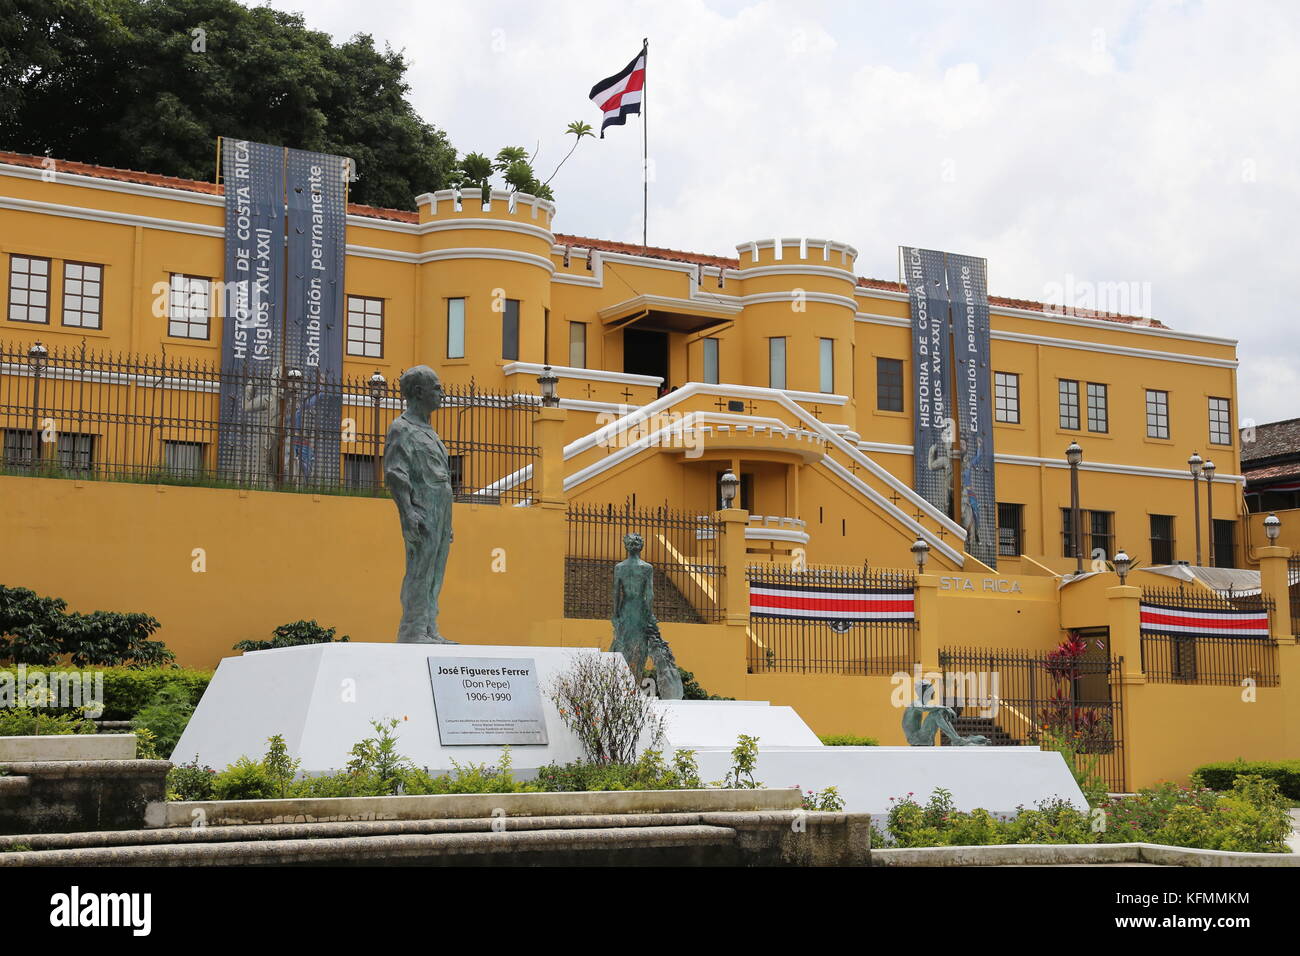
x=418, y=474
x=636, y=630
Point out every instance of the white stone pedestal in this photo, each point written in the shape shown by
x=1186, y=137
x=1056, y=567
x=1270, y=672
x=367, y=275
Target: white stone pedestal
x=998, y=779
x=322, y=698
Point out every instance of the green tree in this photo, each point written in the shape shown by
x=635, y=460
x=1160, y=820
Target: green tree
x=151, y=84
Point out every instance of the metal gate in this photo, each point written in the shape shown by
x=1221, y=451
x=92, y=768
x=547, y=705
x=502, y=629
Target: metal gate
x=1017, y=697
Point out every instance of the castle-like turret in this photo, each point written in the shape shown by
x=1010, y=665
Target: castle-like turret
x=799, y=291
x=495, y=255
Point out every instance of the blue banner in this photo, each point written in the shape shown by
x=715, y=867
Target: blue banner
x=251, y=309
x=933, y=436
x=317, y=209
x=968, y=293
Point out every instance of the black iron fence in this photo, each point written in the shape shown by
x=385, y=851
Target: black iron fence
x=1018, y=697
x=73, y=413
x=830, y=644
x=1179, y=655
x=683, y=548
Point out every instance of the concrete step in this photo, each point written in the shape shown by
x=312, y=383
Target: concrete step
x=627, y=845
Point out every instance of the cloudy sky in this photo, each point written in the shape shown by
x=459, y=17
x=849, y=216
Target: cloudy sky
x=1141, y=152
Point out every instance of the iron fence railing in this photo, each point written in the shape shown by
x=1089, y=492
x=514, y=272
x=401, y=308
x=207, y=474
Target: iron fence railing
x=1177, y=654
x=71, y=412
x=1018, y=697
x=683, y=548
x=830, y=645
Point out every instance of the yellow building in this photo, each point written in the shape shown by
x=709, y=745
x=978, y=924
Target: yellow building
x=780, y=364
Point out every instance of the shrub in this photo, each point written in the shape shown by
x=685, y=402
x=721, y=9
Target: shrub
x=245, y=779
x=127, y=691
x=828, y=800
x=848, y=740
x=650, y=772
x=165, y=716
x=39, y=631
x=1220, y=776
x=190, y=781
x=27, y=721
x=294, y=634
x=599, y=700
x=744, y=761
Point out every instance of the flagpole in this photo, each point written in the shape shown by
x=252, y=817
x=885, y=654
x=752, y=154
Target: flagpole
x=645, y=148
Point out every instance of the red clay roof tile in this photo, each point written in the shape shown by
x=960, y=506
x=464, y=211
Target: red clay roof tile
x=605, y=245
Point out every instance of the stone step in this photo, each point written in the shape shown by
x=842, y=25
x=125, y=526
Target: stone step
x=677, y=845
x=358, y=828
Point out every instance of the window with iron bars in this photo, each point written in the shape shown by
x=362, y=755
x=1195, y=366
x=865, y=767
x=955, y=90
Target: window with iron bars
x=1098, y=532
x=1011, y=529
x=1162, y=539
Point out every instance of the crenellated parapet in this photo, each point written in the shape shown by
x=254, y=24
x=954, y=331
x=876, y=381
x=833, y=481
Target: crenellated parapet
x=502, y=206
x=793, y=253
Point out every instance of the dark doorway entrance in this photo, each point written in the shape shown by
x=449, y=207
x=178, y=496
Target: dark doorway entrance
x=646, y=353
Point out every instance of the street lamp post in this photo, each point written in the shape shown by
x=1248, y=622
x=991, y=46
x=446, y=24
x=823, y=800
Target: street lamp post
x=378, y=388
x=1194, y=466
x=1272, y=528
x=1074, y=455
x=728, y=484
x=548, y=380
x=920, y=551
x=1122, y=564
x=1208, y=471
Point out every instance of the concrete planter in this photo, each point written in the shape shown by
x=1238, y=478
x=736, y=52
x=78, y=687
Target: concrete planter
x=68, y=747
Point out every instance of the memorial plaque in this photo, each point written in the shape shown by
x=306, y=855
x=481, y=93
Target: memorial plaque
x=482, y=701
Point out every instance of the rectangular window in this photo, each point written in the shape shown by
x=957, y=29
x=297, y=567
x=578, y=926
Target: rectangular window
x=1220, y=421
x=578, y=344
x=18, y=447
x=183, y=458
x=365, y=326
x=1098, y=411
x=1162, y=539
x=510, y=331
x=189, y=307
x=711, y=374
x=1069, y=403
x=75, y=452
x=1102, y=538
x=1224, y=554
x=83, y=299
x=359, y=471
x=889, y=384
x=776, y=363
x=826, y=364
x=1157, y=414
x=1006, y=398
x=29, y=289
x=1011, y=529
x=1098, y=532
x=455, y=328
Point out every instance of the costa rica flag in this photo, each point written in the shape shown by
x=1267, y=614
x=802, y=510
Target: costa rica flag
x=839, y=607
x=1201, y=622
x=619, y=96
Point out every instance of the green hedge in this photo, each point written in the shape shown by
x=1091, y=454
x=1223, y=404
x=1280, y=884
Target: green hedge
x=849, y=740
x=1219, y=776
x=127, y=690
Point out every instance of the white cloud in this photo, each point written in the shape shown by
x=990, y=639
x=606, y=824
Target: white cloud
x=1101, y=143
